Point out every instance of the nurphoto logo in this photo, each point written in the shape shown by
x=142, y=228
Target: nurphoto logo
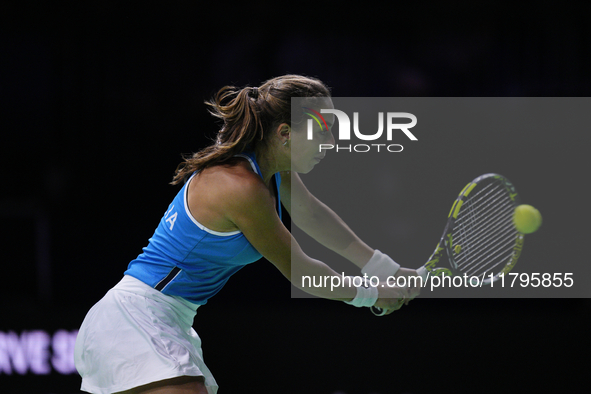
x=344, y=133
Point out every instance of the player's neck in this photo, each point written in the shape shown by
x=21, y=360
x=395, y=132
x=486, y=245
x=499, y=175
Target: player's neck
x=270, y=164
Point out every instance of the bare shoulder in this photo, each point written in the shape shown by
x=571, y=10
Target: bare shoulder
x=234, y=197
x=217, y=193
x=242, y=183
x=228, y=178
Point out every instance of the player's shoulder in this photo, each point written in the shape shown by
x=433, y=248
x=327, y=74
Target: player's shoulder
x=235, y=182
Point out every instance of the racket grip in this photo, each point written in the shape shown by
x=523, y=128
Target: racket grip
x=422, y=272
x=378, y=311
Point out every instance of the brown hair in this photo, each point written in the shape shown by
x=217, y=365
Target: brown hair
x=249, y=116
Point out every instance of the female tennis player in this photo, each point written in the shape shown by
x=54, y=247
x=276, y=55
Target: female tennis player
x=139, y=337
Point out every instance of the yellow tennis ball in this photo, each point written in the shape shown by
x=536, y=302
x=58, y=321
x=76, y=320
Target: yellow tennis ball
x=527, y=219
x=457, y=249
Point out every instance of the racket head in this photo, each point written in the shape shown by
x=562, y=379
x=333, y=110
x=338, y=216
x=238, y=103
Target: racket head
x=480, y=239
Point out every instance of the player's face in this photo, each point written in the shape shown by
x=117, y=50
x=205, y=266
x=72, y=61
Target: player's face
x=306, y=152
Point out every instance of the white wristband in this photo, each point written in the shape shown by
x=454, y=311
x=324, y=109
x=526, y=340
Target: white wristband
x=366, y=296
x=380, y=265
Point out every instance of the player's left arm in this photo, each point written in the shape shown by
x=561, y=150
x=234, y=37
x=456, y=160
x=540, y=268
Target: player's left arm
x=320, y=222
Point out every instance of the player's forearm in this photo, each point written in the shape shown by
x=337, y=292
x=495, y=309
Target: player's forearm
x=313, y=276
x=316, y=278
x=326, y=227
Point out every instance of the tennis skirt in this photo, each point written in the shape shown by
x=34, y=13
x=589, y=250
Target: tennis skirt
x=136, y=335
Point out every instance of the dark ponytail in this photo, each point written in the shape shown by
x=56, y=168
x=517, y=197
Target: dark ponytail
x=248, y=116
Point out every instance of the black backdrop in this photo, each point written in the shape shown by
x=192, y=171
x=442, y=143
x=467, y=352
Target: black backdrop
x=99, y=100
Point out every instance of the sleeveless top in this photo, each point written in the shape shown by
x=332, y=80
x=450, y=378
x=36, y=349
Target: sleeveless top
x=184, y=258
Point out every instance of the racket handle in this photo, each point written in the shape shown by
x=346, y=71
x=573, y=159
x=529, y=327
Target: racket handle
x=422, y=272
x=378, y=311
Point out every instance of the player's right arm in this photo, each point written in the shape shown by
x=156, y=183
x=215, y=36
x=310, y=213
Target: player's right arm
x=326, y=227
x=251, y=207
x=320, y=222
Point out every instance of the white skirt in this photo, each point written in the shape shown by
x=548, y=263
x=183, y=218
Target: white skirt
x=136, y=335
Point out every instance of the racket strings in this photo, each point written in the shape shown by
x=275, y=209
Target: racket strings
x=475, y=218
x=484, y=230
x=477, y=199
x=501, y=257
x=477, y=244
x=488, y=256
x=480, y=220
x=483, y=256
x=492, y=258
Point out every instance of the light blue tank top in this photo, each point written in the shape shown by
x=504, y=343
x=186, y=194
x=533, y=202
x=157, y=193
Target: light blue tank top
x=184, y=258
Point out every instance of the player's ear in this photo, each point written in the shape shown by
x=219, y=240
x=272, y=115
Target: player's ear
x=283, y=132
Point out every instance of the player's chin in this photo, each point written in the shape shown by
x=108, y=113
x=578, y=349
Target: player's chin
x=306, y=168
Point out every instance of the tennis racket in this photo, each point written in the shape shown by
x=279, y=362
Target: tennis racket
x=479, y=239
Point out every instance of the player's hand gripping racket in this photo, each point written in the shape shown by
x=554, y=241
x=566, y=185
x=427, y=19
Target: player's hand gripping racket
x=479, y=239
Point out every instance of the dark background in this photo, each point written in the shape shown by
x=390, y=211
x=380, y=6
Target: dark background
x=98, y=101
